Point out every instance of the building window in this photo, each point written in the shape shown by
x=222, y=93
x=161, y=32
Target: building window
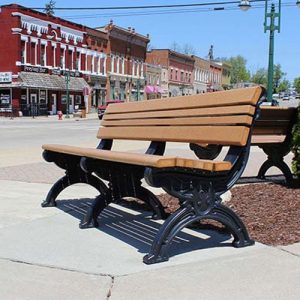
x=43, y=55
x=62, y=58
x=53, y=56
x=77, y=61
x=181, y=76
x=23, y=52
x=70, y=59
x=33, y=53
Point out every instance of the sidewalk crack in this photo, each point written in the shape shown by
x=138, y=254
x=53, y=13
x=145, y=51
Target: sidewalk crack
x=110, y=288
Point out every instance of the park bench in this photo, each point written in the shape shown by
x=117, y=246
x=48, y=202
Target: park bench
x=272, y=133
x=223, y=118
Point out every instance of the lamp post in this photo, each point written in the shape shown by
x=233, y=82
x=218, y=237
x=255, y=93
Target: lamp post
x=67, y=79
x=271, y=26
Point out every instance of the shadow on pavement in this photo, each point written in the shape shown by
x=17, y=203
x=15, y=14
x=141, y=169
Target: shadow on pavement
x=138, y=229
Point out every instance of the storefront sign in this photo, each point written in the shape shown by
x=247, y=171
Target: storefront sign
x=72, y=73
x=35, y=69
x=5, y=77
x=55, y=71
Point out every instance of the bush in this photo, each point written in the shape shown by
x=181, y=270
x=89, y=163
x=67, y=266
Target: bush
x=296, y=146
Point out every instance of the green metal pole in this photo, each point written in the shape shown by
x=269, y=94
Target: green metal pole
x=271, y=55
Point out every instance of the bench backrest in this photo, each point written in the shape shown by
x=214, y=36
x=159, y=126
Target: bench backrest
x=274, y=120
x=221, y=118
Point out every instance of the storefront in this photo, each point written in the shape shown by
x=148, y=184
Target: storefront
x=98, y=91
x=44, y=94
x=153, y=92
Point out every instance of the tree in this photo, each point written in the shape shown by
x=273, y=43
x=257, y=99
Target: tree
x=277, y=76
x=188, y=49
x=283, y=86
x=175, y=47
x=49, y=8
x=239, y=72
x=297, y=84
x=260, y=76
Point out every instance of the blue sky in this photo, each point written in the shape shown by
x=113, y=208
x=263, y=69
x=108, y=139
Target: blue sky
x=231, y=31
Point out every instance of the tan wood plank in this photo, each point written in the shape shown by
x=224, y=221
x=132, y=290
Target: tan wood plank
x=277, y=113
x=224, y=135
x=215, y=111
x=223, y=98
x=223, y=120
x=269, y=131
x=156, y=161
x=267, y=139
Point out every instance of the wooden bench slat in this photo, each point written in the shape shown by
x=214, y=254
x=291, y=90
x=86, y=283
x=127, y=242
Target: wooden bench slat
x=156, y=161
x=224, y=135
x=216, y=111
x=223, y=120
x=224, y=98
x=269, y=131
x=267, y=139
x=276, y=113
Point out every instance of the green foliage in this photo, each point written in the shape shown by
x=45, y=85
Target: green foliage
x=49, y=7
x=277, y=76
x=296, y=147
x=297, y=84
x=260, y=77
x=239, y=72
x=283, y=86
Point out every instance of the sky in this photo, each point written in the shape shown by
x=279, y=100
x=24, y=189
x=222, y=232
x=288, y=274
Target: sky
x=231, y=31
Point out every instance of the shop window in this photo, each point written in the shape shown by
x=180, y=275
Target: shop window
x=43, y=98
x=63, y=99
x=5, y=100
x=78, y=99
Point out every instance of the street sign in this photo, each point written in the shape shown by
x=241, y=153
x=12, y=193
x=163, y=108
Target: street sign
x=5, y=77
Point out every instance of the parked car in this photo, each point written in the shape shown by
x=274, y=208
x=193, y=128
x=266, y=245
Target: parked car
x=102, y=108
x=286, y=98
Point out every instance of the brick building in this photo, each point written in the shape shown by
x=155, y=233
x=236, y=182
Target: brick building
x=201, y=74
x=215, y=77
x=95, y=71
x=153, y=88
x=180, y=70
x=40, y=55
x=126, y=54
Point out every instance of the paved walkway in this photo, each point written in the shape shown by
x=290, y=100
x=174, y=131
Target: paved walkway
x=44, y=255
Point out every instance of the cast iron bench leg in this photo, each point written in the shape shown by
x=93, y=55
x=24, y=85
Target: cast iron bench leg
x=195, y=207
x=98, y=205
x=149, y=198
x=69, y=180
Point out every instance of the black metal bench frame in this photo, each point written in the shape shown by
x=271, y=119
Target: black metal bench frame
x=198, y=191
x=275, y=154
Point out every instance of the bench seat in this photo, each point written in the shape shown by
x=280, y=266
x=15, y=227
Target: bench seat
x=141, y=159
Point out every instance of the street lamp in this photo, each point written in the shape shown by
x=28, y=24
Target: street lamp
x=67, y=79
x=272, y=26
x=244, y=5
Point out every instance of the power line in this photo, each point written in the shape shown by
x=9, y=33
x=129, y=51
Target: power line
x=165, y=12
x=147, y=6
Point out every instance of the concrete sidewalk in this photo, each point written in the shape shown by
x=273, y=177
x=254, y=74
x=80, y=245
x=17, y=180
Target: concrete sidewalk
x=44, y=255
